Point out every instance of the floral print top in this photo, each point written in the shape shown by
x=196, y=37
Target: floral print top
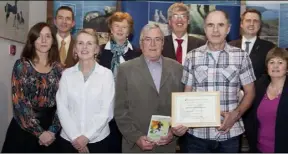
x=32, y=89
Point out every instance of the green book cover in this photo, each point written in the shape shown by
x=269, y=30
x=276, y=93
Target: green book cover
x=159, y=126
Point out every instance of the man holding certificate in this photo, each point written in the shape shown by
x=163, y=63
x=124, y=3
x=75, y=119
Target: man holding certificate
x=219, y=67
x=143, y=96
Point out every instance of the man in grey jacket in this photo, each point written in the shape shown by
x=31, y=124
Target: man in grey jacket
x=143, y=88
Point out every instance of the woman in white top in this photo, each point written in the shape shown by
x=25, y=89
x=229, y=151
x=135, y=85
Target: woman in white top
x=85, y=100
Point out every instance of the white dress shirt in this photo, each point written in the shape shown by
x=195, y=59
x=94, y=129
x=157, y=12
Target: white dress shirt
x=122, y=60
x=184, y=45
x=251, y=44
x=67, y=41
x=84, y=108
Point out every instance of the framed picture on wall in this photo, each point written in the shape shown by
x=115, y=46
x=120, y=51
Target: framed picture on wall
x=90, y=14
x=14, y=20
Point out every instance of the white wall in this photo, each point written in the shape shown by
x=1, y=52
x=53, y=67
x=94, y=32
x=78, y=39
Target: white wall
x=37, y=13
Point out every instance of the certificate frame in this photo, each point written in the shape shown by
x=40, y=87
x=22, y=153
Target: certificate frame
x=214, y=110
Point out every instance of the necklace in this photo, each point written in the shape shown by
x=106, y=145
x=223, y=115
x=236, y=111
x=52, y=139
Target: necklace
x=87, y=76
x=274, y=92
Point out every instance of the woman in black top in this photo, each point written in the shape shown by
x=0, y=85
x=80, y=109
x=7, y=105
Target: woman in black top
x=117, y=50
x=266, y=126
x=35, y=79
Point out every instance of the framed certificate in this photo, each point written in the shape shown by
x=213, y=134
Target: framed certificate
x=196, y=109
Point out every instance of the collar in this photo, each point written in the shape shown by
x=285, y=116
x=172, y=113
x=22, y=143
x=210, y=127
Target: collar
x=97, y=68
x=67, y=39
x=108, y=45
x=184, y=37
x=205, y=48
x=252, y=40
x=160, y=60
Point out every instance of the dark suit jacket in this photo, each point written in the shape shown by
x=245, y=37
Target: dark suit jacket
x=257, y=55
x=169, y=49
x=137, y=99
x=70, y=59
x=281, y=133
x=105, y=57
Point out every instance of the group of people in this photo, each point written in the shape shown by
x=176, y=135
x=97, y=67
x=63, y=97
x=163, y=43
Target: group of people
x=73, y=95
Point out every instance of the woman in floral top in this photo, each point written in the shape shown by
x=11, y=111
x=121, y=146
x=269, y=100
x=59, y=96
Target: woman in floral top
x=35, y=80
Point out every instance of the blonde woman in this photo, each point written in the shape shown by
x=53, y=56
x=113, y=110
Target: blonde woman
x=85, y=99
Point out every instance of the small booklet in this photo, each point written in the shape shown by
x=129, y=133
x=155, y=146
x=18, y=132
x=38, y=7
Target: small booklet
x=159, y=126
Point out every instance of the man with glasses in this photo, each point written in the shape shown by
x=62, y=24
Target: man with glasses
x=143, y=88
x=217, y=66
x=178, y=44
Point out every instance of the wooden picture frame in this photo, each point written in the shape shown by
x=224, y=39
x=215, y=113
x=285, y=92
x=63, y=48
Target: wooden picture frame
x=196, y=109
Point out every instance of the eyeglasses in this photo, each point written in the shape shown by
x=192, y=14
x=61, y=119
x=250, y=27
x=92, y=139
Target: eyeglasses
x=149, y=40
x=181, y=16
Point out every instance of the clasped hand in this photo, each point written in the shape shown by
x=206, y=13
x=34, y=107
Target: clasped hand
x=46, y=138
x=80, y=144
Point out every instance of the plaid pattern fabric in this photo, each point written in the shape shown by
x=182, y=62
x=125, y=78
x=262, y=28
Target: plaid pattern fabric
x=226, y=74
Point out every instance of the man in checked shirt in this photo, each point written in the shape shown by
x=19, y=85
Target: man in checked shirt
x=217, y=66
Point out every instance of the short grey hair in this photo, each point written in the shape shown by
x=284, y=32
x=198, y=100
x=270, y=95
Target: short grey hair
x=177, y=7
x=148, y=27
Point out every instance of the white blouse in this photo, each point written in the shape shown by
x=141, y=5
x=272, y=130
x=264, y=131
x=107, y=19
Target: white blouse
x=85, y=108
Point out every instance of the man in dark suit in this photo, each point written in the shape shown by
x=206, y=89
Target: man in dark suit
x=256, y=47
x=178, y=44
x=251, y=43
x=64, y=21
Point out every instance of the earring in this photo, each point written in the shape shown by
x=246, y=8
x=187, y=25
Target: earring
x=95, y=56
x=75, y=55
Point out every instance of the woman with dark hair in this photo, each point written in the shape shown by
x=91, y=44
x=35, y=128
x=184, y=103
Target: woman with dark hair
x=118, y=50
x=267, y=125
x=35, y=79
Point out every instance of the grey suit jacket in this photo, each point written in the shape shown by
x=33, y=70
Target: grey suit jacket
x=137, y=99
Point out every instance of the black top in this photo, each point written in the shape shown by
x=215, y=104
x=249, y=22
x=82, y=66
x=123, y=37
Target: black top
x=105, y=56
x=281, y=127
